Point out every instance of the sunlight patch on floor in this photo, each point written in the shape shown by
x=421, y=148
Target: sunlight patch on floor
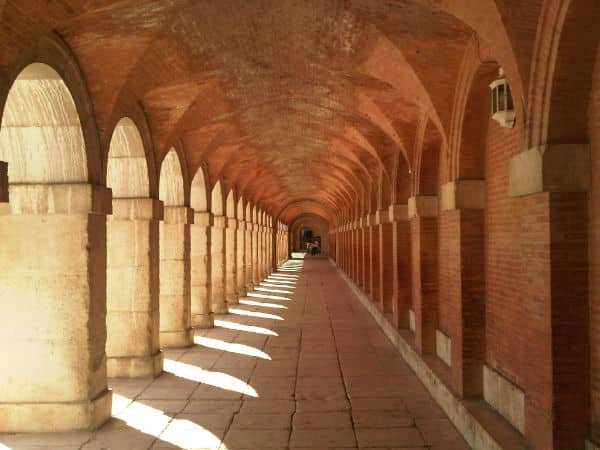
x=265, y=304
x=212, y=378
x=154, y=422
x=261, y=315
x=241, y=349
x=272, y=297
x=275, y=291
x=248, y=328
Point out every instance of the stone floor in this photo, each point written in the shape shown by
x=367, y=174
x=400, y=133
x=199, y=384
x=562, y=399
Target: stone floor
x=298, y=364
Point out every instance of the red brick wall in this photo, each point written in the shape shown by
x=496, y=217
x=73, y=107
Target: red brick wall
x=449, y=271
x=505, y=313
x=594, y=284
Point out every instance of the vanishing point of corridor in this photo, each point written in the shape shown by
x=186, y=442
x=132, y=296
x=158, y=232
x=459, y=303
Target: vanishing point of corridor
x=299, y=363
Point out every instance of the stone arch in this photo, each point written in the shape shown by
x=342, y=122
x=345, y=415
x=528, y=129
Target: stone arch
x=230, y=207
x=53, y=257
x=127, y=167
x=41, y=136
x=249, y=209
x=217, y=204
x=171, y=185
x=199, y=192
x=241, y=208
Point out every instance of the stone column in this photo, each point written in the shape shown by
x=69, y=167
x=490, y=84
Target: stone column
x=241, y=258
x=231, y=261
x=366, y=252
x=249, y=263
x=386, y=269
x=132, y=344
x=255, y=252
x=373, y=230
x=217, y=265
x=200, y=256
x=360, y=267
x=355, y=235
x=463, y=286
x=401, y=265
x=53, y=318
x=175, y=272
x=422, y=211
x=550, y=185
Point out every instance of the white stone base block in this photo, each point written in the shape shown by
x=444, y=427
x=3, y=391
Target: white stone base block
x=443, y=347
x=504, y=397
x=135, y=366
x=55, y=416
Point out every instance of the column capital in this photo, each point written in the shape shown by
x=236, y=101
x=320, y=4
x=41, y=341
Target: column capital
x=423, y=206
x=462, y=194
x=398, y=213
x=203, y=218
x=137, y=209
x=231, y=223
x=551, y=168
x=178, y=214
x=219, y=222
x=69, y=198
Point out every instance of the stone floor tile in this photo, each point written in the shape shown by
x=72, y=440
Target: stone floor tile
x=378, y=404
x=324, y=438
x=268, y=406
x=263, y=439
x=332, y=405
x=317, y=420
x=440, y=432
x=389, y=437
x=382, y=419
x=254, y=421
x=213, y=406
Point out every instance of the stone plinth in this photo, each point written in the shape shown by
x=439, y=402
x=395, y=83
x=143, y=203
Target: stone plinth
x=53, y=321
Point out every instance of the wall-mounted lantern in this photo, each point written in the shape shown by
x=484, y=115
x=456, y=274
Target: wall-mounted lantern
x=503, y=110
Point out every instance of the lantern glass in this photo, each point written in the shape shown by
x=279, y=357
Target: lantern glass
x=501, y=97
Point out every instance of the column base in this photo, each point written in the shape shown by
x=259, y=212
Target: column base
x=56, y=416
x=135, y=366
x=219, y=308
x=232, y=299
x=203, y=321
x=177, y=338
x=249, y=288
x=242, y=293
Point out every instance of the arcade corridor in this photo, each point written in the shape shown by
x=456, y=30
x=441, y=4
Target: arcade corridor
x=438, y=159
x=297, y=364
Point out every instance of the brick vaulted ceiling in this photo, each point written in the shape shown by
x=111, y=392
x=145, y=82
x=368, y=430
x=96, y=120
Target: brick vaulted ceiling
x=307, y=102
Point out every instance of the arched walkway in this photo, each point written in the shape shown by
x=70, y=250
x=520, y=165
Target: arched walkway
x=283, y=370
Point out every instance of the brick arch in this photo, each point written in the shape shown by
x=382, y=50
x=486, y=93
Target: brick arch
x=429, y=146
x=565, y=52
x=311, y=221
